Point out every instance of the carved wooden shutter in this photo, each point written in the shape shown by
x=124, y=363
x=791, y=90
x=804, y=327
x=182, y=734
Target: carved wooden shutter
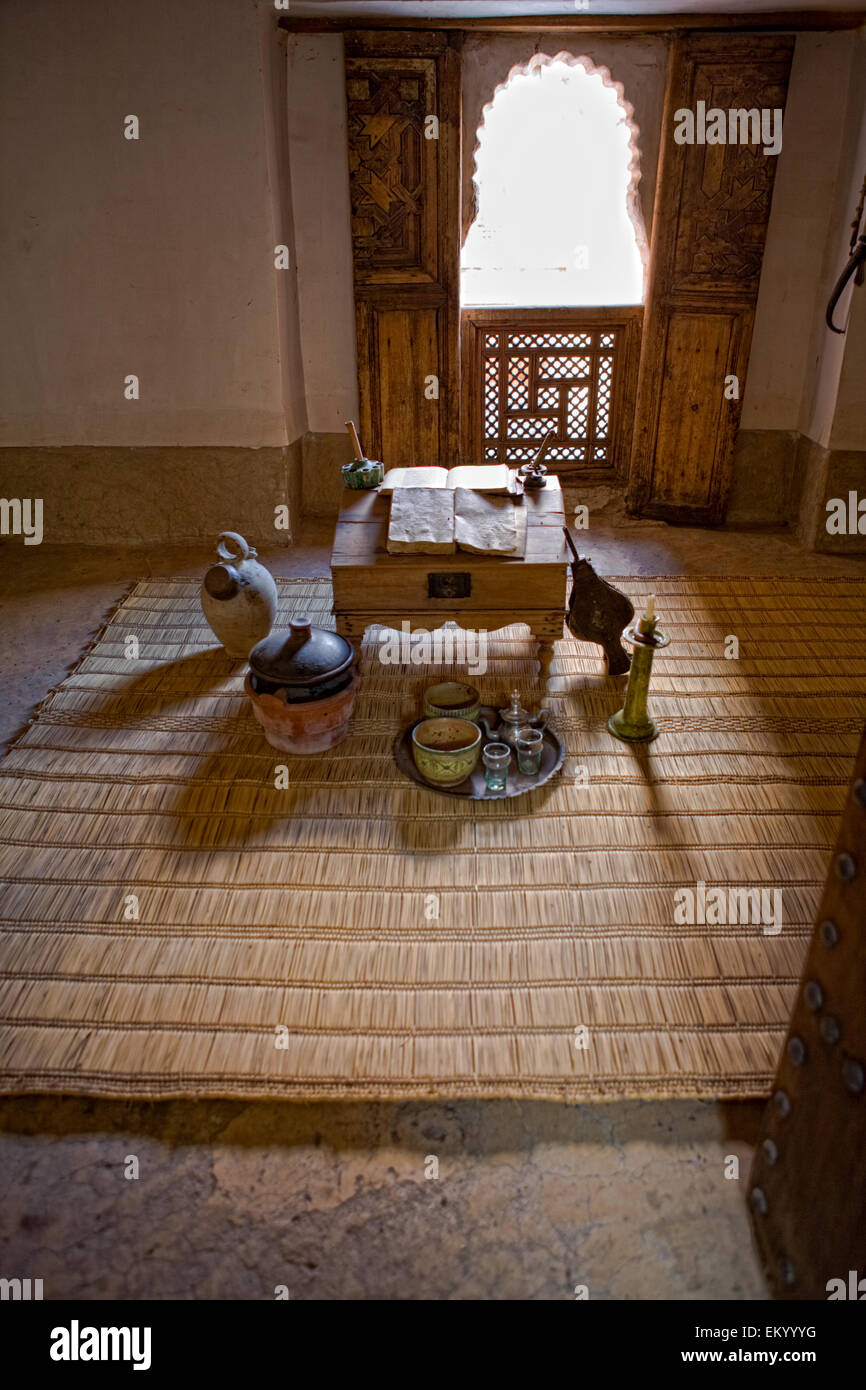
x=806, y=1193
x=405, y=194
x=712, y=209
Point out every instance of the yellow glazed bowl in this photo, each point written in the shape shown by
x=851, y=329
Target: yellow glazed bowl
x=446, y=750
x=452, y=700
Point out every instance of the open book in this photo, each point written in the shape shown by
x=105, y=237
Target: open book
x=438, y=521
x=488, y=477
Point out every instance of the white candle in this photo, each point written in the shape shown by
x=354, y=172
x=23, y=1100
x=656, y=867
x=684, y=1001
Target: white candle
x=648, y=621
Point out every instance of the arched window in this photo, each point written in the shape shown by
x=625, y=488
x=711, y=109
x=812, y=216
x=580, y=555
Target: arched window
x=553, y=271
x=557, y=168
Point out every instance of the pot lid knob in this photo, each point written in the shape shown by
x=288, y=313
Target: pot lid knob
x=300, y=625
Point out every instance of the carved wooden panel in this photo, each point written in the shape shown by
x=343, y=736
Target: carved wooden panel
x=725, y=203
x=392, y=168
x=527, y=371
x=403, y=105
x=712, y=210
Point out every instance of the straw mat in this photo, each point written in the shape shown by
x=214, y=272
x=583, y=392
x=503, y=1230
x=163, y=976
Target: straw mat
x=174, y=924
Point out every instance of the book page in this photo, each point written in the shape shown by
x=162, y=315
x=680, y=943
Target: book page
x=414, y=477
x=489, y=525
x=422, y=521
x=484, y=477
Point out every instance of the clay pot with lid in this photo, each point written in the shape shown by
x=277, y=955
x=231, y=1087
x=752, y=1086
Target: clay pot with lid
x=302, y=685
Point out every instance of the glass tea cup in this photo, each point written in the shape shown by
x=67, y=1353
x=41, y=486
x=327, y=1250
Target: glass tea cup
x=496, y=757
x=529, y=743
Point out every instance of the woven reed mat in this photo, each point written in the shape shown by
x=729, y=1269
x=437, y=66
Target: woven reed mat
x=306, y=915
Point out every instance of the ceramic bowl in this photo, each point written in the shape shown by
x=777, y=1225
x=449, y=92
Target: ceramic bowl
x=446, y=750
x=452, y=700
x=369, y=473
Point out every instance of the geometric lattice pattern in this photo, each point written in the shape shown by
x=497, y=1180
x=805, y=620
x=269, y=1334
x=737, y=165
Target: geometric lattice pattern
x=537, y=381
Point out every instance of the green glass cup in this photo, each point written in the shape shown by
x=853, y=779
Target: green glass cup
x=496, y=757
x=529, y=743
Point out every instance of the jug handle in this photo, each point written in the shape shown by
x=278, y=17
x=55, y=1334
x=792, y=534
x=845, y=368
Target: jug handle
x=233, y=547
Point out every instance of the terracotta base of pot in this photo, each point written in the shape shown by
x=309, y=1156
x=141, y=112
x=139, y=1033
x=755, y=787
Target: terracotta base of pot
x=311, y=727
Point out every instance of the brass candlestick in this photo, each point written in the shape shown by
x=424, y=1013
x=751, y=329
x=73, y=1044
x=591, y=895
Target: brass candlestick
x=632, y=723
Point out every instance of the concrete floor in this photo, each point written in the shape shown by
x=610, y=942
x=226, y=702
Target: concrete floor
x=232, y=1200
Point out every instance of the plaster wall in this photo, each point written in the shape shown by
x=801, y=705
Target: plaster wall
x=833, y=354
x=156, y=496
x=273, y=48
x=803, y=426
x=318, y=155
x=151, y=257
x=783, y=361
x=849, y=420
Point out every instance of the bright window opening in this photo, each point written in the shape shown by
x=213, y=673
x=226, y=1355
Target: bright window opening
x=556, y=175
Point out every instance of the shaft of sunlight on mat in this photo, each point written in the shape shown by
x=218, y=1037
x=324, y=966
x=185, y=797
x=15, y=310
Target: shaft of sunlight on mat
x=310, y=908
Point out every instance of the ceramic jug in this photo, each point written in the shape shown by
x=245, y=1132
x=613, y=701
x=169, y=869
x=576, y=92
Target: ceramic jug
x=238, y=596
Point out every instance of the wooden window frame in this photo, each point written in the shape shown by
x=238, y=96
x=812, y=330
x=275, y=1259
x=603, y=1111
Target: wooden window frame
x=475, y=322
x=419, y=385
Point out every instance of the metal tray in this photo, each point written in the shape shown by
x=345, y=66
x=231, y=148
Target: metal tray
x=475, y=788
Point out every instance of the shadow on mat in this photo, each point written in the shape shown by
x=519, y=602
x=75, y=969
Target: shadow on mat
x=140, y=695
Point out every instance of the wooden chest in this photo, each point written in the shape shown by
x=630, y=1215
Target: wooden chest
x=476, y=591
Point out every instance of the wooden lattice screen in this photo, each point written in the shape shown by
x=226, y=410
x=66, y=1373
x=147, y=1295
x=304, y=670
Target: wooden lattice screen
x=532, y=370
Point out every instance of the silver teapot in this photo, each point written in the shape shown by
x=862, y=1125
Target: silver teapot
x=514, y=718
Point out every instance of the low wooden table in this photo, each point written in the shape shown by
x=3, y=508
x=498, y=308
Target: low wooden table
x=475, y=591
